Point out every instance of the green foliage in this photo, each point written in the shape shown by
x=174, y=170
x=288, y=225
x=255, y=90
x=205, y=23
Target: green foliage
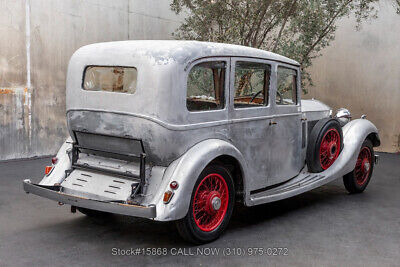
x=298, y=29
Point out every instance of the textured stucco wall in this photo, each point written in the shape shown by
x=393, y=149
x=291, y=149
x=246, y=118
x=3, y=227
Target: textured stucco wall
x=46, y=33
x=361, y=71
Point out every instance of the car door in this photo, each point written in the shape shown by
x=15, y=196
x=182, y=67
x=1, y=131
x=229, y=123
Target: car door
x=266, y=129
x=249, y=114
x=285, y=139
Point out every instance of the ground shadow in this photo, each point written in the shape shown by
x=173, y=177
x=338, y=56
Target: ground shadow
x=125, y=230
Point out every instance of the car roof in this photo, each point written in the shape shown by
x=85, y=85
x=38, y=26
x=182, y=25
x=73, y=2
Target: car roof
x=182, y=52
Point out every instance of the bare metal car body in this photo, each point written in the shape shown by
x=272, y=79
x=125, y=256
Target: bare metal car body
x=161, y=141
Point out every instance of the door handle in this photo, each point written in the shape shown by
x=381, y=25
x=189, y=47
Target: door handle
x=271, y=122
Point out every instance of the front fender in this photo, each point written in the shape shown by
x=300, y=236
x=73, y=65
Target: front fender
x=185, y=170
x=354, y=134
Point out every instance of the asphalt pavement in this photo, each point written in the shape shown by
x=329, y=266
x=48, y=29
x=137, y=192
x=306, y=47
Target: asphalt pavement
x=326, y=226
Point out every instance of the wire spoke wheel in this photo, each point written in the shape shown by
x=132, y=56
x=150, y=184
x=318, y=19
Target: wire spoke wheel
x=210, y=202
x=357, y=180
x=211, y=205
x=363, y=166
x=329, y=148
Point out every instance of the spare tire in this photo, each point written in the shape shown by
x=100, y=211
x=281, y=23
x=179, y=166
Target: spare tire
x=324, y=145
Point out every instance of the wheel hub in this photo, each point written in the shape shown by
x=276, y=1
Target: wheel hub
x=213, y=202
x=216, y=203
x=332, y=150
x=366, y=165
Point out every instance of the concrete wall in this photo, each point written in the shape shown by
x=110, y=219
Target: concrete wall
x=361, y=71
x=45, y=33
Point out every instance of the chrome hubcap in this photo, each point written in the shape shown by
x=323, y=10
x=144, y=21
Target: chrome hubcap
x=216, y=203
x=366, y=166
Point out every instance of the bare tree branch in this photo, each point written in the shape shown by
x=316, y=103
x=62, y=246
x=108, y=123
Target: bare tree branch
x=286, y=18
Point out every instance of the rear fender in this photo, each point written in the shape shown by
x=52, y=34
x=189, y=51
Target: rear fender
x=185, y=171
x=57, y=175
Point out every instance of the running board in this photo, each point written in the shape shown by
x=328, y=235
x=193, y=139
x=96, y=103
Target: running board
x=304, y=182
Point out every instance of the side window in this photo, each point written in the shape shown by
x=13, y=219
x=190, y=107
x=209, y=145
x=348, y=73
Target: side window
x=252, y=82
x=286, y=87
x=205, y=86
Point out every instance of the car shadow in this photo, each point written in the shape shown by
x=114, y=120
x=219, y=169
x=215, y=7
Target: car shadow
x=246, y=216
x=126, y=230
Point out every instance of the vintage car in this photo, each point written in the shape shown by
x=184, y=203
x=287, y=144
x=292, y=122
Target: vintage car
x=182, y=130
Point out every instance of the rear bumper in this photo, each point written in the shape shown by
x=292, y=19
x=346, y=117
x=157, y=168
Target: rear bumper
x=53, y=193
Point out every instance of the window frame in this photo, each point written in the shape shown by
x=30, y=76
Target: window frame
x=233, y=76
x=109, y=66
x=194, y=63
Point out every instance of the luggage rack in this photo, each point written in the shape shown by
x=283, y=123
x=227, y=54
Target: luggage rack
x=137, y=188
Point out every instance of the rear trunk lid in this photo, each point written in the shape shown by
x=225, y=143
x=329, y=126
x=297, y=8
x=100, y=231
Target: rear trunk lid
x=106, y=167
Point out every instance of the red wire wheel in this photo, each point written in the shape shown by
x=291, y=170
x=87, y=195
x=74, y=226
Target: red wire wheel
x=211, y=206
x=330, y=148
x=210, y=202
x=357, y=180
x=363, y=166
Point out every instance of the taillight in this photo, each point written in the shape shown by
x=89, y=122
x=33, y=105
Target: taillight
x=174, y=185
x=48, y=169
x=167, y=196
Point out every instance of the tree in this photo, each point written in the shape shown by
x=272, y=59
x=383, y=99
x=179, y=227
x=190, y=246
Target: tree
x=298, y=29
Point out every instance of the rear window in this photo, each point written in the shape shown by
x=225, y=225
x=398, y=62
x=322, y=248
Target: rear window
x=110, y=79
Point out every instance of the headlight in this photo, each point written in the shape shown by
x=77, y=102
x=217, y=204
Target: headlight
x=343, y=115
